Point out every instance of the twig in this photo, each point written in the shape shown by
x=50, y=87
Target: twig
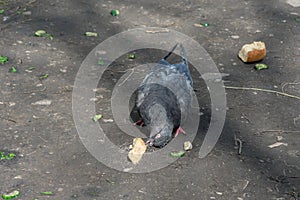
x=132, y=70
x=30, y=153
x=10, y=120
x=263, y=90
x=158, y=31
x=246, y=184
x=43, y=139
x=35, y=91
x=239, y=143
x=286, y=84
x=280, y=131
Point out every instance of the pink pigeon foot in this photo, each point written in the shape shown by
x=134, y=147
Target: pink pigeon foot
x=179, y=130
x=139, y=122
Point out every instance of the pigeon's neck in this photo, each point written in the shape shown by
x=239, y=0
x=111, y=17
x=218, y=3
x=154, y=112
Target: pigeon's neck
x=159, y=119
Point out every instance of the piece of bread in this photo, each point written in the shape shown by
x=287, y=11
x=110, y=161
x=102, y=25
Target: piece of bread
x=253, y=52
x=137, y=151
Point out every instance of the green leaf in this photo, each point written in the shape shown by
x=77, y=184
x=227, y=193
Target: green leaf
x=115, y=12
x=31, y=68
x=13, y=70
x=46, y=193
x=204, y=24
x=177, y=154
x=7, y=157
x=97, y=117
x=3, y=59
x=261, y=66
x=132, y=56
x=1, y=11
x=100, y=62
x=91, y=34
x=44, y=76
x=40, y=33
x=11, y=195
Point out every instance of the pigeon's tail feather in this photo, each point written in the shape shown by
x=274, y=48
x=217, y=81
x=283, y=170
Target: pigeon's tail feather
x=183, y=55
x=170, y=52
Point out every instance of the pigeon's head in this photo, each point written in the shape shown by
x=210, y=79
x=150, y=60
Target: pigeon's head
x=160, y=138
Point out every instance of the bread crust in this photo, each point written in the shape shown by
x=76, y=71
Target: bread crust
x=253, y=52
x=136, y=153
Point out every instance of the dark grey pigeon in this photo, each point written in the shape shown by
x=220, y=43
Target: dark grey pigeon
x=164, y=99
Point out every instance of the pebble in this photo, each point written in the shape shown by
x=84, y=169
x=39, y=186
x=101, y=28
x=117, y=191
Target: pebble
x=235, y=37
x=187, y=145
x=11, y=104
x=108, y=120
x=18, y=177
x=27, y=13
x=44, y=102
x=93, y=99
x=279, y=138
x=5, y=18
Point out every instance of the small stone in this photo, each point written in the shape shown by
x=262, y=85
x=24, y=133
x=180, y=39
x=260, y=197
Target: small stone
x=93, y=99
x=10, y=104
x=27, y=13
x=279, y=138
x=187, y=145
x=235, y=37
x=108, y=120
x=44, y=102
x=5, y=18
x=18, y=177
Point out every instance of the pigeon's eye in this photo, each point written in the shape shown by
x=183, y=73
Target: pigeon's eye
x=157, y=136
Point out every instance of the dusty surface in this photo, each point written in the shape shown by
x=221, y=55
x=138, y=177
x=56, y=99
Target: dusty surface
x=49, y=153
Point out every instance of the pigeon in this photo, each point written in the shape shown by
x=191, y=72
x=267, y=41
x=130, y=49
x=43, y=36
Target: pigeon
x=164, y=98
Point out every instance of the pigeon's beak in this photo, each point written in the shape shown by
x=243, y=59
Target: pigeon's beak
x=149, y=142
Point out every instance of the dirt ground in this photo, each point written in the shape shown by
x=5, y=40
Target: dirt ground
x=51, y=157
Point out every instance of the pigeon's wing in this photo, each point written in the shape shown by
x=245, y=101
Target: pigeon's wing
x=176, y=78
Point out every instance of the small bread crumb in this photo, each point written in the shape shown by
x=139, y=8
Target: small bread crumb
x=137, y=151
